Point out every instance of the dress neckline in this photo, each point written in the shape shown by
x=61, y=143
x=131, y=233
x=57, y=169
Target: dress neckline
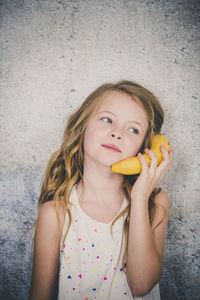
x=76, y=201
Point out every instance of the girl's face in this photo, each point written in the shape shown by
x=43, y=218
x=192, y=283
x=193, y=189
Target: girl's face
x=115, y=130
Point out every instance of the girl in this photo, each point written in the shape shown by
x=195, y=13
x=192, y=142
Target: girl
x=103, y=233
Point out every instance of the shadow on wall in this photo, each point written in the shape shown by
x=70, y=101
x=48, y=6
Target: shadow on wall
x=181, y=263
x=16, y=242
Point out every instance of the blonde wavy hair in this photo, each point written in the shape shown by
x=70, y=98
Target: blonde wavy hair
x=65, y=167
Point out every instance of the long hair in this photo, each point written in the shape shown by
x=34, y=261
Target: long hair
x=66, y=166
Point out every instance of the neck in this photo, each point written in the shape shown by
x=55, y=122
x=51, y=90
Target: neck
x=100, y=181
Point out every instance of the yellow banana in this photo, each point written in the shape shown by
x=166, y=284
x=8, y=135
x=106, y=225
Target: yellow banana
x=131, y=166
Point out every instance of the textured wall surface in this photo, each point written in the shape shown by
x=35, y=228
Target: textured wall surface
x=53, y=54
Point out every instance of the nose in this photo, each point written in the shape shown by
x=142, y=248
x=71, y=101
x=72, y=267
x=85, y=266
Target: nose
x=116, y=135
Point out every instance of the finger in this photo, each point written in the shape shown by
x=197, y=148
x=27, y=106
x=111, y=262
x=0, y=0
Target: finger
x=166, y=162
x=153, y=157
x=171, y=156
x=143, y=161
x=165, y=153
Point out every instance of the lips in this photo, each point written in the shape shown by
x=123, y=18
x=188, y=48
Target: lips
x=111, y=147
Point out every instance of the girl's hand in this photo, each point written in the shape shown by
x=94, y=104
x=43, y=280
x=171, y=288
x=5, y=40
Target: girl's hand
x=151, y=175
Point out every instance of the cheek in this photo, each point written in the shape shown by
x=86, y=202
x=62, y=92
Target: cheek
x=133, y=152
x=90, y=138
x=133, y=147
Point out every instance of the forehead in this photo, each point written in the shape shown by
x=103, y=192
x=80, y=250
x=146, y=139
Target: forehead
x=121, y=103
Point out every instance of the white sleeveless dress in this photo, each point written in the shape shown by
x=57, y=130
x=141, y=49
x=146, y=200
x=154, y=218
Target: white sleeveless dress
x=91, y=261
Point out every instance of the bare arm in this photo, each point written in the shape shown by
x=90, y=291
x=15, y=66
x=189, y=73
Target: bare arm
x=145, y=245
x=46, y=253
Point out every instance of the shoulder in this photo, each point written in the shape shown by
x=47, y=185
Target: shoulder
x=163, y=199
x=47, y=209
x=49, y=219
x=47, y=213
x=162, y=202
x=160, y=221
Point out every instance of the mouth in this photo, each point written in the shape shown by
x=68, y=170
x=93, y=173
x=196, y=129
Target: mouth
x=111, y=147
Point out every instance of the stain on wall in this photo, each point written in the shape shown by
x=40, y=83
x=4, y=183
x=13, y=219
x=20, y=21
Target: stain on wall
x=53, y=54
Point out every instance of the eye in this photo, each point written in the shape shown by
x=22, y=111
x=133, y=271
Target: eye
x=107, y=120
x=134, y=130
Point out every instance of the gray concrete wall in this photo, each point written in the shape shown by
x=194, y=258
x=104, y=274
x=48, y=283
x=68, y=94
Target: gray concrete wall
x=53, y=54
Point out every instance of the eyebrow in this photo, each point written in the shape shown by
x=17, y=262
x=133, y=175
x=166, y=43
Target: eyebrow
x=109, y=112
